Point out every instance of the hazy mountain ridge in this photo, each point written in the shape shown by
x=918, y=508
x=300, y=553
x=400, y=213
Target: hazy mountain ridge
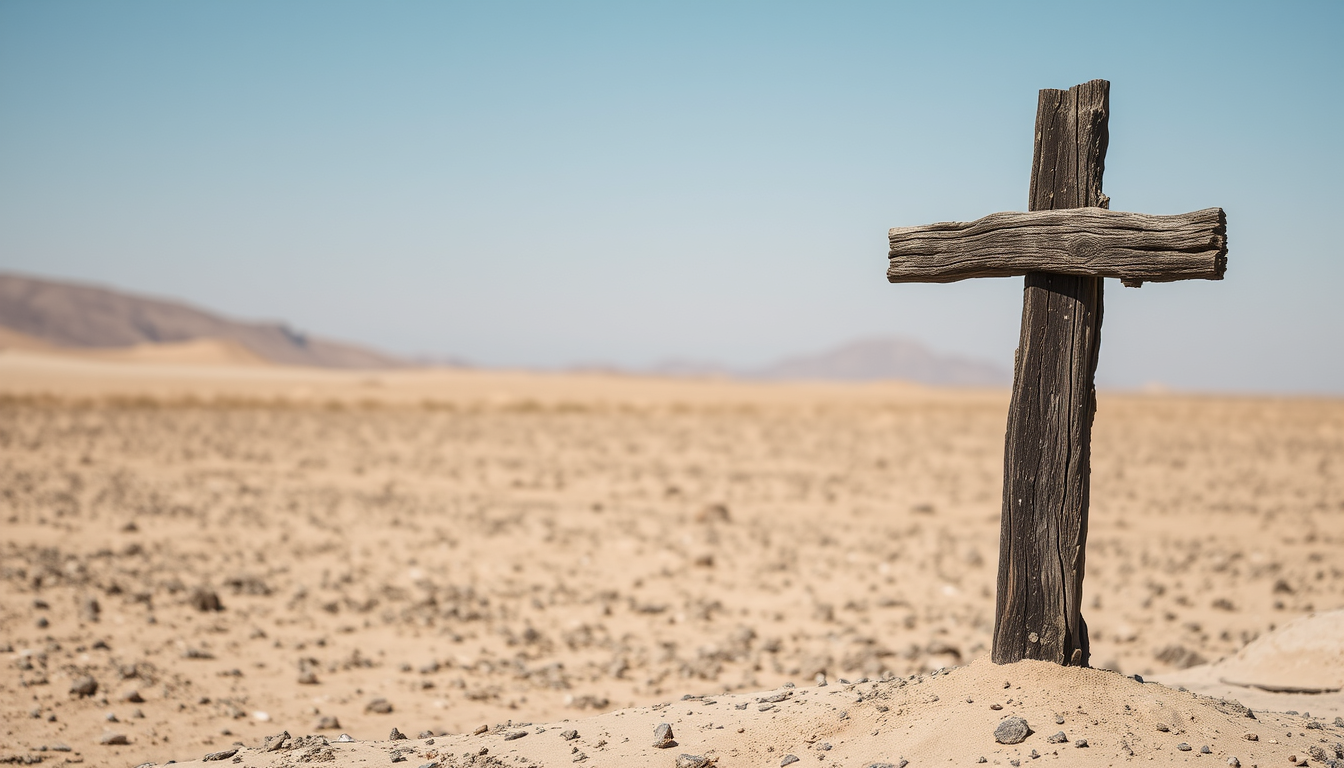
x=892, y=357
x=872, y=359
x=71, y=315
x=84, y=316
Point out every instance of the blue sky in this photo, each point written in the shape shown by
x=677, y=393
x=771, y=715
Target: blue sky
x=557, y=183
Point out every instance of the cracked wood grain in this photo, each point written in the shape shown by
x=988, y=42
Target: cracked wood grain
x=1089, y=242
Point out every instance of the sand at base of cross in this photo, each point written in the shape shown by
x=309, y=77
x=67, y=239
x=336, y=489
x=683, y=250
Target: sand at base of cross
x=1073, y=716
x=196, y=556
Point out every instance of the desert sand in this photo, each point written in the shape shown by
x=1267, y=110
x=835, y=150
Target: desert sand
x=200, y=555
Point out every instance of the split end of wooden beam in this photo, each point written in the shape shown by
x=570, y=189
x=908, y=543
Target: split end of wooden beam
x=1088, y=242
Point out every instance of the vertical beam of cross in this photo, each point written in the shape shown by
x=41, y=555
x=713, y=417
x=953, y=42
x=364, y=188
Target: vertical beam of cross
x=1047, y=456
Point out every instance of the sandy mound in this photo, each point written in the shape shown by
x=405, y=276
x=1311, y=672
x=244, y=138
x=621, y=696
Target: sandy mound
x=1075, y=716
x=1306, y=656
x=214, y=352
x=194, y=352
x=1300, y=666
x=10, y=339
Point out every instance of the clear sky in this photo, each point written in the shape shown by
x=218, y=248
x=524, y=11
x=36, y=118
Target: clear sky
x=557, y=183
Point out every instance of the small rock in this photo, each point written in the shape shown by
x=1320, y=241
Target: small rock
x=693, y=761
x=89, y=609
x=133, y=696
x=113, y=739
x=712, y=513
x=307, y=677
x=344, y=738
x=1059, y=719
x=1184, y=747
x=1319, y=754
x=662, y=736
x=1234, y=762
x=1251, y=736
x=396, y=735
x=205, y=599
x=224, y=755
x=426, y=735
x=326, y=723
x=996, y=707
x=1012, y=730
x=84, y=686
x=480, y=729
x=274, y=743
x=1204, y=750
x=379, y=707
x=788, y=760
x=569, y=735
x=1058, y=738
x=514, y=735
x=1080, y=744
x=1163, y=727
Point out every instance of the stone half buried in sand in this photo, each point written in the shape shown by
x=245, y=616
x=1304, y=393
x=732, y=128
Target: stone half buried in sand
x=1305, y=656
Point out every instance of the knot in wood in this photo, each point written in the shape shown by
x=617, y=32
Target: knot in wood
x=1084, y=247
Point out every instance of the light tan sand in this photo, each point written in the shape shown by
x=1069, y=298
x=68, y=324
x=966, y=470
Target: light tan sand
x=480, y=547
x=196, y=352
x=1080, y=717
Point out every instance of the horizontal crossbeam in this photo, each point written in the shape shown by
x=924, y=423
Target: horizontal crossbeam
x=1092, y=242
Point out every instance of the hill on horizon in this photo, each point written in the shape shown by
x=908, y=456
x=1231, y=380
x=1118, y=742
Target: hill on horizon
x=68, y=314
x=880, y=358
x=890, y=357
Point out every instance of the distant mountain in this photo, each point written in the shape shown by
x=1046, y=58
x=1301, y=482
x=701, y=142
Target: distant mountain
x=873, y=359
x=888, y=358
x=72, y=315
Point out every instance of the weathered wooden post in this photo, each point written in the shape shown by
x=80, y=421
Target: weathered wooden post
x=1064, y=254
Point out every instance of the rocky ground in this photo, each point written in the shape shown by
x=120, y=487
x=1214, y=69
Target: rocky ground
x=182, y=576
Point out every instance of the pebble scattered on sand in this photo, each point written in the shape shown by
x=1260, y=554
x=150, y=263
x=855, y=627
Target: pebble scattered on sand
x=662, y=736
x=84, y=686
x=1012, y=730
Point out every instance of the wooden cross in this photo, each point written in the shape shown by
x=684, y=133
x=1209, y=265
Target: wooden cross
x=1064, y=245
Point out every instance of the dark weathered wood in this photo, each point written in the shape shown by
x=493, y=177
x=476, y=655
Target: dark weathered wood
x=1047, y=455
x=1067, y=242
x=1090, y=242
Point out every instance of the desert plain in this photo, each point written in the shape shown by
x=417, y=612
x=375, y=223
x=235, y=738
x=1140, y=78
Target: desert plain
x=203, y=553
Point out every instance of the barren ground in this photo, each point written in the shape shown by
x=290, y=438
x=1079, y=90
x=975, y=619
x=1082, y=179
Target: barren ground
x=471, y=555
